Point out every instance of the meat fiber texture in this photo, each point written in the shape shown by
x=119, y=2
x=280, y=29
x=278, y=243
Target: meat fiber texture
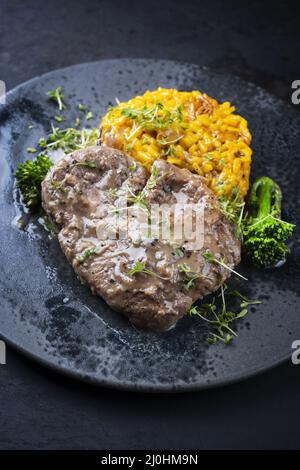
x=84, y=193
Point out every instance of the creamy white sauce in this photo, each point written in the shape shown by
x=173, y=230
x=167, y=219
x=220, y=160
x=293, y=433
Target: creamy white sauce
x=136, y=253
x=181, y=197
x=150, y=290
x=103, y=183
x=119, y=273
x=56, y=155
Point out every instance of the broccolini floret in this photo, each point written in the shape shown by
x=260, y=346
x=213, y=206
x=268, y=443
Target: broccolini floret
x=30, y=175
x=264, y=233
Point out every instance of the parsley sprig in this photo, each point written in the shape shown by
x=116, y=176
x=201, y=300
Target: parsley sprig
x=30, y=175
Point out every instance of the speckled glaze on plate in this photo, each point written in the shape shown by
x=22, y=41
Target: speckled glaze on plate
x=45, y=311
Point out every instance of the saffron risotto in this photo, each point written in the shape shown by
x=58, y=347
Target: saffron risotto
x=188, y=129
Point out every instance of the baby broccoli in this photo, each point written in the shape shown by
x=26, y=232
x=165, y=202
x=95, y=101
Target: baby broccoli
x=265, y=234
x=30, y=175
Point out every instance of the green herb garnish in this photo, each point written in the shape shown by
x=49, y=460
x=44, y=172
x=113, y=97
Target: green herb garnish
x=70, y=139
x=152, y=181
x=245, y=300
x=170, y=151
x=112, y=193
x=169, y=142
x=43, y=142
x=130, y=146
x=58, y=186
x=59, y=118
x=57, y=96
x=82, y=108
x=89, y=115
x=179, y=251
x=87, y=254
x=132, y=167
x=29, y=177
x=220, y=319
x=138, y=199
x=233, y=209
x=140, y=267
x=190, y=275
x=49, y=225
x=154, y=118
x=210, y=257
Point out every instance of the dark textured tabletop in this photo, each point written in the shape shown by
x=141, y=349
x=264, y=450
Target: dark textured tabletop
x=259, y=41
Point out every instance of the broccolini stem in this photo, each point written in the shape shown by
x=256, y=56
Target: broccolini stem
x=265, y=197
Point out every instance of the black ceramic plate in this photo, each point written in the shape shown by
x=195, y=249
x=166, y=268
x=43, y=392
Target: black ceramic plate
x=46, y=312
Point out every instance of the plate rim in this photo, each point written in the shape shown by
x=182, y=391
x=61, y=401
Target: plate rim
x=145, y=388
x=13, y=90
x=142, y=388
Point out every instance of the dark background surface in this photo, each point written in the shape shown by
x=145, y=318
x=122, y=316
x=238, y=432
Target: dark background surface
x=259, y=41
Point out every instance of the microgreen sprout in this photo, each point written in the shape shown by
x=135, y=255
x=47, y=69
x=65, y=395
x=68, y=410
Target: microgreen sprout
x=57, y=96
x=220, y=319
x=190, y=275
x=151, y=183
x=31, y=150
x=138, y=199
x=170, y=151
x=112, y=193
x=82, y=108
x=155, y=117
x=132, y=167
x=154, y=178
x=59, y=118
x=89, y=115
x=169, y=142
x=69, y=139
x=179, y=251
x=87, y=254
x=140, y=267
x=58, y=186
x=233, y=209
x=210, y=257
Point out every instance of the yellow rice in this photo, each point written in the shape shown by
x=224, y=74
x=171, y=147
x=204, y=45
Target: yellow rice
x=188, y=129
